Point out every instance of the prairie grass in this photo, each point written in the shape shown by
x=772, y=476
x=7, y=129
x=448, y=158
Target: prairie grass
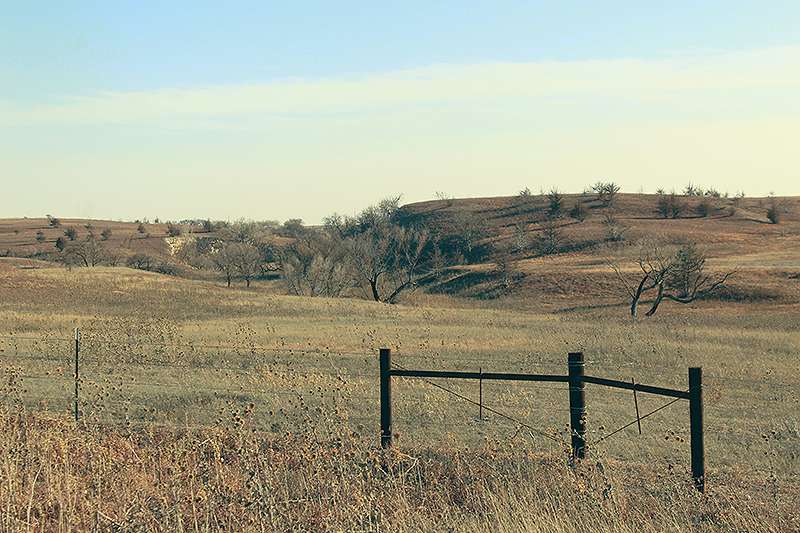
x=265, y=407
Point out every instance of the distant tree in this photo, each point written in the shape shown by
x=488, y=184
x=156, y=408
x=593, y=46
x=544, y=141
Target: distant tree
x=550, y=240
x=466, y=231
x=105, y=234
x=388, y=260
x=87, y=253
x=680, y=276
x=704, y=208
x=53, y=221
x=71, y=233
x=293, y=227
x=578, y=211
x=60, y=244
x=669, y=205
x=246, y=260
x=316, y=264
x=520, y=240
x=141, y=261
x=606, y=192
x=156, y=221
x=504, y=267
x=207, y=226
x=141, y=229
x=774, y=210
x=174, y=230
x=225, y=263
x=615, y=230
x=525, y=193
x=40, y=236
x=555, y=203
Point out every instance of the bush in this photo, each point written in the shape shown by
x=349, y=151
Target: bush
x=578, y=211
x=40, y=236
x=53, y=221
x=704, y=208
x=60, y=244
x=173, y=230
x=669, y=205
x=105, y=234
x=606, y=192
x=774, y=211
x=141, y=262
x=71, y=233
x=555, y=203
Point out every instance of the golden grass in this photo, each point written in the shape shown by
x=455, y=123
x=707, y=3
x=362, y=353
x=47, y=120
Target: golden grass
x=175, y=369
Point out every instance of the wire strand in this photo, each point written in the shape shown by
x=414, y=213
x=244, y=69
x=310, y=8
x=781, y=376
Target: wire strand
x=487, y=408
x=637, y=420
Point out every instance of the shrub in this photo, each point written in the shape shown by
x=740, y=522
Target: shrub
x=71, y=233
x=606, y=192
x=53, y=221
x=60, y=244
x=141, y=262
x=40, y=236
x=105, y=234
x=774, y=211
x=173, y=230
x=141, y=229
x=704, y=208
x=554, y=203
x=669, y=205
x=578, y=211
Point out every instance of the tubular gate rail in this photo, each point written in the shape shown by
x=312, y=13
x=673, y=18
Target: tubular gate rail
x=577, y=380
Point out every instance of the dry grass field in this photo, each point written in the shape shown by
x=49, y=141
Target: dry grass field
x=212, y=408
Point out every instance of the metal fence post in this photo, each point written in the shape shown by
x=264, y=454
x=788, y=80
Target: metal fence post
x=577, y=404
x=77, y=375
x=696, y=426
x=386, y=397
x=480, y=394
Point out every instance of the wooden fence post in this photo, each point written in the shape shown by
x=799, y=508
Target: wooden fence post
x=577, y=404
x=77, y=375
x=386, y=397
x=696, y=426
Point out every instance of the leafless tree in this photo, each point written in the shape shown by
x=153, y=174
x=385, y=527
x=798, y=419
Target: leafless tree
x=388, y=259
x=606, y=192
x=225, y=262
x=87, y=253
x=317, y=265
x=680, y=276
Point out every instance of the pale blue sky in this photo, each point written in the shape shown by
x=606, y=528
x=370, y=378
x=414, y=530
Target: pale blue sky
x=297, y=109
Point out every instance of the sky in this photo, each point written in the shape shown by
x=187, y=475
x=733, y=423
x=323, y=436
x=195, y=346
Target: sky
x=278, y=110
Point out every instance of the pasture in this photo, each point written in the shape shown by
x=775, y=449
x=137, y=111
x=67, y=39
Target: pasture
x=182, y=356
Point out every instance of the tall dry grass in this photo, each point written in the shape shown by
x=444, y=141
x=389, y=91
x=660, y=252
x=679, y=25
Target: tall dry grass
x=59, y=476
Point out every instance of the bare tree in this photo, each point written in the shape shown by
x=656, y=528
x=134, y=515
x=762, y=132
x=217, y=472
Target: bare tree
x=317, y=265
x=606, y=192
x=225, y=262
x=247, y=260
x=680, y=276
x=87, y=253
x=388, y=260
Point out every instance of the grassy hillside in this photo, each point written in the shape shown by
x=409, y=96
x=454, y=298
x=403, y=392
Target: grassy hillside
x=736, y=235
x=18, y=236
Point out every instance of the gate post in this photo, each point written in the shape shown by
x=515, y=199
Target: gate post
x=696, y=427
x=386, y=397
x=577, y=404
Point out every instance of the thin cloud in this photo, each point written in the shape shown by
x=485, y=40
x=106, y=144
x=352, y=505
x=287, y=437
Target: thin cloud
x=646, y=80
